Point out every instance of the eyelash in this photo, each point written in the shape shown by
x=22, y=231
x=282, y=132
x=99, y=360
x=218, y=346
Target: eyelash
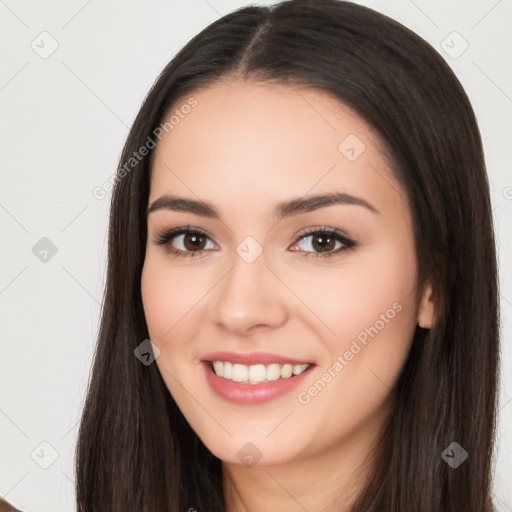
x=164, y=237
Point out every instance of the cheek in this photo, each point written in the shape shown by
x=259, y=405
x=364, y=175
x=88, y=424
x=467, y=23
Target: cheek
x=372, y=311
x=368, y=311
x=170, y=298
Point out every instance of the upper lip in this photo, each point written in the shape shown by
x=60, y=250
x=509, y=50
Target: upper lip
x=252, y=358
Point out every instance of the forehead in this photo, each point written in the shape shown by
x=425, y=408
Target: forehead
x=244, y=140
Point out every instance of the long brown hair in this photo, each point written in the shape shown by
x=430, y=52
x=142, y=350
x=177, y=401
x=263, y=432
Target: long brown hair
x=135, y=449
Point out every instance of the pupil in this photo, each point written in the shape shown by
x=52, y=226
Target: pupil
x=196, y=243
x=323, y=242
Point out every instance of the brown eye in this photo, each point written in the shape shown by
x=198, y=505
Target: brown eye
x=194, y=241
x=324, y=242
x=184, y=241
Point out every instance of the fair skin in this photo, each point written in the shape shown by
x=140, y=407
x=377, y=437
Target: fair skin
x=244, y=148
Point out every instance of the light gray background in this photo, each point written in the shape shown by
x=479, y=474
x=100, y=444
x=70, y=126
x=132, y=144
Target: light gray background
x=64, y=119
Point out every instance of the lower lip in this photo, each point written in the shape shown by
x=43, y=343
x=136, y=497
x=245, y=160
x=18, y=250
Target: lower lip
x=252, y=394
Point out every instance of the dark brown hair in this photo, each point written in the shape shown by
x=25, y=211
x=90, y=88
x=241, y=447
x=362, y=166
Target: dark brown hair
x=135, y=449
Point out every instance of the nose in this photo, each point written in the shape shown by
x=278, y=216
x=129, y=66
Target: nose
x=248, y=299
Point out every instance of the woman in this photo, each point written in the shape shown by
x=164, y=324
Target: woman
x=301, y=225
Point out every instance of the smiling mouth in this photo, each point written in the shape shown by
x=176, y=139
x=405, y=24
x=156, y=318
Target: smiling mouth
x=257, y=373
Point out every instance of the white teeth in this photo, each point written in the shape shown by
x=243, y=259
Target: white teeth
x=240, y=373
x=286, y=371
x=273, y=371
x=299, y=368
x=218, y=367
x=227, y=370
x=258, y=373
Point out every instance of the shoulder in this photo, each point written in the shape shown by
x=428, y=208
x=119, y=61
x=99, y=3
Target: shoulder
x=7, y=507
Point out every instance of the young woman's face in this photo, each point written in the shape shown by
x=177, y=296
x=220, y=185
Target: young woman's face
x=265, y=279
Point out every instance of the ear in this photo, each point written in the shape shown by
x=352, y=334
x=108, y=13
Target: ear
x=427, y=307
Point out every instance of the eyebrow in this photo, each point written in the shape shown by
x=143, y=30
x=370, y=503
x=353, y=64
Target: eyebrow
x=283, y=209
